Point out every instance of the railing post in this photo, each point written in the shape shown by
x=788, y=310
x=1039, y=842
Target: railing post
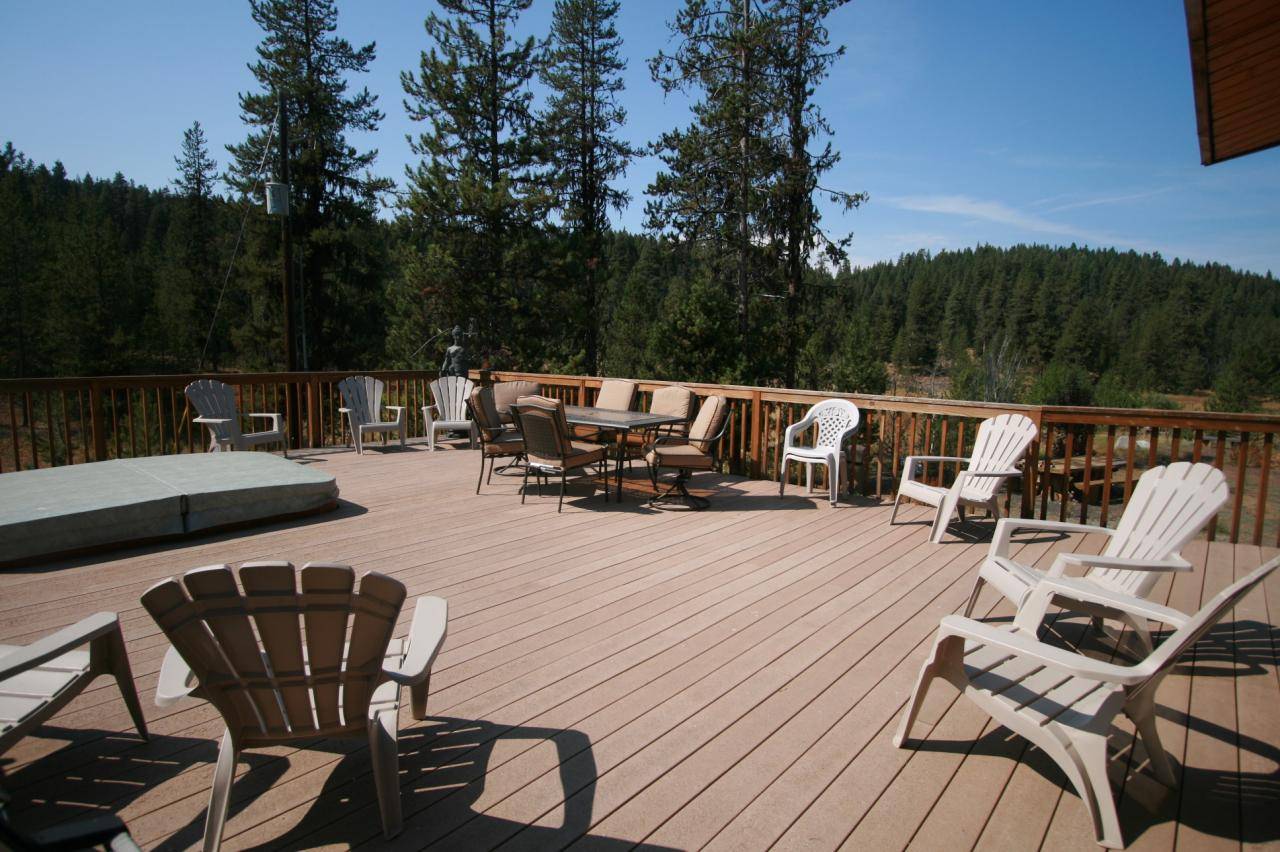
x=582, y=391
x=756, y=437
x=97, y=424
x=314, y=437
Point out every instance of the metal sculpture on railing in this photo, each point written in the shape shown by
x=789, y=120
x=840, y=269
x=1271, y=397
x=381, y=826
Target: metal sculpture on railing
x=456, y=358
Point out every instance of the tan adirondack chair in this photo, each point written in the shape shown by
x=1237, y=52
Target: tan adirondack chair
x=1062, y=701
x=1001, y=442
x=342, y=680
x=1169, y=505
x=37, y=680
x=216, y=404
x=362, y=403
x=449, y=413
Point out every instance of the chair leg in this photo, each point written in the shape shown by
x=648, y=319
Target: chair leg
x=978, y=583
x=418, y=698
x=489, y=479
x=833, y=482
x=431, y=438
x=808, y=477
x=117, y=662
x=524, y=486
x=939, y=659
x=560, y=505
x=224, y=772
x=1092, y=749
x=480, y=478
x=946, y=509
x=897, y=498
x=404, y=433
x=1142, y=711
x=782, y=479
x=384, y=754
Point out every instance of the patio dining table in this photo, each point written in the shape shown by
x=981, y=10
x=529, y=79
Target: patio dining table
x=620, y=422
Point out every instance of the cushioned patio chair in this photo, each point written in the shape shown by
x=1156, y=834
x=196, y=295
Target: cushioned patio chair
x=549, y=447
x=449, y=413
x=37, y=680
x=1001, y=442
x=1062, y=701
x=505, y=395
x=673, y=400
x=216, y=404
x=614, y=395
x=362, y=403
x=836, y=420
x=496, y=440
x=685, y=454
x=1169, y=505
x=243, y=648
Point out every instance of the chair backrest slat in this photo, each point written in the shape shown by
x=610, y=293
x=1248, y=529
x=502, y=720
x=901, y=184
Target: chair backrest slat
x=225, y=613
x=326, y=634
x=363, y=395
x=375, y=618
x=616, y=394
x=280, y=633
x=1167, y=652
x=1000, y=443
x=217, y=400
x=1169, y=505
x=450, y=394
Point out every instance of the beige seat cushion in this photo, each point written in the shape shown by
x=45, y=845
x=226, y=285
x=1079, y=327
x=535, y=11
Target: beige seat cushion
x=507, y=445
x=584, y=453
x=682, y=456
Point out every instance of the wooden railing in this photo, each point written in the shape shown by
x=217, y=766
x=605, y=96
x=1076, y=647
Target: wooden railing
x=1082, y=467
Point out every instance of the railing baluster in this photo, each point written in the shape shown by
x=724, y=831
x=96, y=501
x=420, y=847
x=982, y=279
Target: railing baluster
x=1242, y=464
x=1128, y=463
x=1264, y=479
x=1069, y=448
x=49, y=431
x=1086, y=485
x=1219, y=458
x=1109, y=462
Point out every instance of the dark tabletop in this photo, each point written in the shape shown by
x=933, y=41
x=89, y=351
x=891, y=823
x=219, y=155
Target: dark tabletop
x=606, y=418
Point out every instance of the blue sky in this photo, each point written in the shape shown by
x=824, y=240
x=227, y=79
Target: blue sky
x=984, y=122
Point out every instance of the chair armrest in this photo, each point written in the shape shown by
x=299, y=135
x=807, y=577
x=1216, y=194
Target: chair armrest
x=1004, y=474
x=177, y=681
x=395, y=407
x=55, y=645
x=1024, y=645
x=426, y=635
x=935, y=459
x=277, y=420
x=1033, y=610
x=1124, y=563
x=1005, y=527
x=796, y=428
x=344, y=410
x=211, y=420
x=273, y=415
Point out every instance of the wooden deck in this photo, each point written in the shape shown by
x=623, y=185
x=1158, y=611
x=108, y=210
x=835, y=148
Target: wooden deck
x=618, y=676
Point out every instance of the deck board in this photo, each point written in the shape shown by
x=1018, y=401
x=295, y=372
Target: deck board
x=618, y=676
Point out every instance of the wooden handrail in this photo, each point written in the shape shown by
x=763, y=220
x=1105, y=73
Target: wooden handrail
x=54, y=421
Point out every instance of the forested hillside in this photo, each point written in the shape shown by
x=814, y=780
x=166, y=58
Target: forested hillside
x=98, y=278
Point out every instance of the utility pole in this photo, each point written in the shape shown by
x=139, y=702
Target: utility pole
x=290, y=348
x=286, y=232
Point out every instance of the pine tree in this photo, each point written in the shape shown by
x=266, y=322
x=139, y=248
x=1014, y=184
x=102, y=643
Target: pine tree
x=714, y=188
x=334, y=194
x=477, y=192
x=801, y=57
x=582, y=73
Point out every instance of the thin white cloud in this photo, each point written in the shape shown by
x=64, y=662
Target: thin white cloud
x=1110, y=199
x=989, y=211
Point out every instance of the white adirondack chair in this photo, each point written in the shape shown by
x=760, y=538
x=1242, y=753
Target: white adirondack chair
x=1169, y=505
x=37, y=680
x=1062, y=701
x=837, y=419
x=1001, y=441
x=450, y=412
x=342, y=679
x=216, y=403
x=362, y=403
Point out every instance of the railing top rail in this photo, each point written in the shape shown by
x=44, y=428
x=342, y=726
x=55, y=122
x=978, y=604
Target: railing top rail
x=1209, y=421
